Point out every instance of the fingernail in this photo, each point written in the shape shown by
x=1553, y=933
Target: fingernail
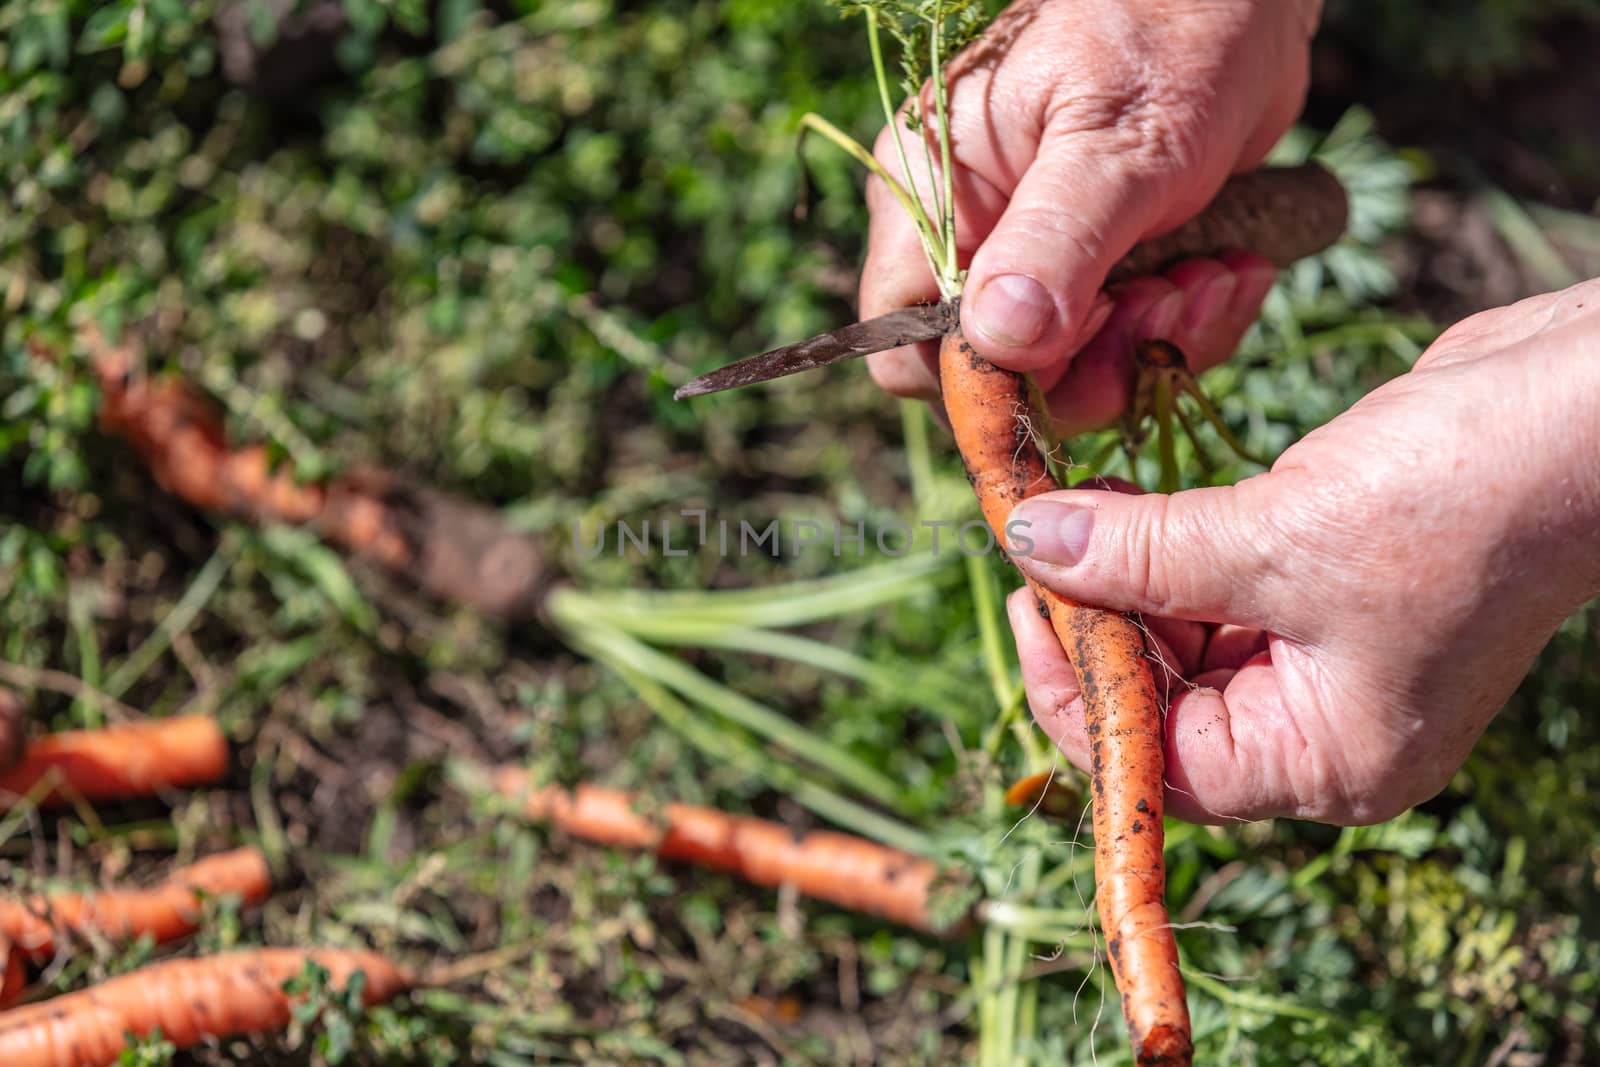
x=1047, y=531
x=1162, y=316
x=1211, y=301
x=1013, y=310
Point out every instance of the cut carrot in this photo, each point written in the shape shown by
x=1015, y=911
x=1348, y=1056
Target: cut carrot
x=166, y=913
x=989, y=411
x=117, y=762
x=846, y=870
x=190, y=1000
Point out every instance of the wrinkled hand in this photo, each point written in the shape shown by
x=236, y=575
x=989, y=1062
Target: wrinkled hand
x=1405, y=563
x=1080, y=127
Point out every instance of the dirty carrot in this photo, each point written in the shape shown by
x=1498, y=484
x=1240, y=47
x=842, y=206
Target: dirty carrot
x=988, y=411
x=167, y=912
x=214, y=996
x=841, y=868
x=450, y=547
x=117, y=762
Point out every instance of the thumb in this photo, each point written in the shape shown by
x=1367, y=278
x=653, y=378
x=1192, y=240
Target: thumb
x=1209, y=555
x=1033, y=283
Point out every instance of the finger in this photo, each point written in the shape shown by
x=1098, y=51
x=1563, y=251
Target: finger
x=1503, y=327
x=1077, y=210
x=1204, y=306
x=1048, y=679
x=896, y=272
x=1098, y=384
x=1237, y=752
x=1183, y=642
x=1209, y=555
x=910, y=371
x=1230, y=646
x=897, y=275
x=1222, y=298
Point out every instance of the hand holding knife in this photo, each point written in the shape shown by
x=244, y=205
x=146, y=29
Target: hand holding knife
x=1284, y=213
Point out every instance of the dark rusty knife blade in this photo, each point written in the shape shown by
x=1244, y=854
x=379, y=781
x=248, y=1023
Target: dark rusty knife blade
x=1284, y=213
x=923, y=322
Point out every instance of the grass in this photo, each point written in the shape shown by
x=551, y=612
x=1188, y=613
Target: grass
x=485, y=249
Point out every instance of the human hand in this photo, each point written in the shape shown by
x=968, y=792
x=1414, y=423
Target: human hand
x=1405, y=563
x=1079, y=129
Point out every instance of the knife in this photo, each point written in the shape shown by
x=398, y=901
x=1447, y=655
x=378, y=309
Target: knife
x=1285, y=213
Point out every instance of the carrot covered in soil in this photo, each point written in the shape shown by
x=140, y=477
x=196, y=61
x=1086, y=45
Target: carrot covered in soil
x=118, y=762
x=840, y=868
x=988, y=410
x=167, y=912
x=190, y=1000
x=450, y=547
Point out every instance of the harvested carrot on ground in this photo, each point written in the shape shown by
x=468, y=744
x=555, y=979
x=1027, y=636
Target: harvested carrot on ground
x=450, y=547
x=190, y=1000
x=166, y=912
x=117, y=762
x=844, y=869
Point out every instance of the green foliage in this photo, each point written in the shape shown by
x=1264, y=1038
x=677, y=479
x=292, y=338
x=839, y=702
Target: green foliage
x=928, y=34
x=152, y=1050
x=335, y=1012
x=1474, y=40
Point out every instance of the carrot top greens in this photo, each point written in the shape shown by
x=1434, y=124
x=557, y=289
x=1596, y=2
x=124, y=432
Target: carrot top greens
x=928, y=34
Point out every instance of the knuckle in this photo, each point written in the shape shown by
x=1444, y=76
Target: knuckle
x=1150, y=579
x=1147, y=122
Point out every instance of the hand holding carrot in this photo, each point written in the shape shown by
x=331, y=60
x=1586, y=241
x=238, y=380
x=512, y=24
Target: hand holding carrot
x=1077, y=132
x=1406, y=561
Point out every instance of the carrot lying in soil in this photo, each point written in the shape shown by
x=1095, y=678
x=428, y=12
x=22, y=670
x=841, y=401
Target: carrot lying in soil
x=117, y=762
x=450, y=547
x=988, y=410
x=190, y=1000
x=846, y=870
x=167, y=912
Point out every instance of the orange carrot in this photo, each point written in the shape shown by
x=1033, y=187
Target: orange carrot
x=1048, y=793
x=450, y=547
x=214, y=996
x=988, y=409
x=849, y=871
x=166, y=913
x=130, y=760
